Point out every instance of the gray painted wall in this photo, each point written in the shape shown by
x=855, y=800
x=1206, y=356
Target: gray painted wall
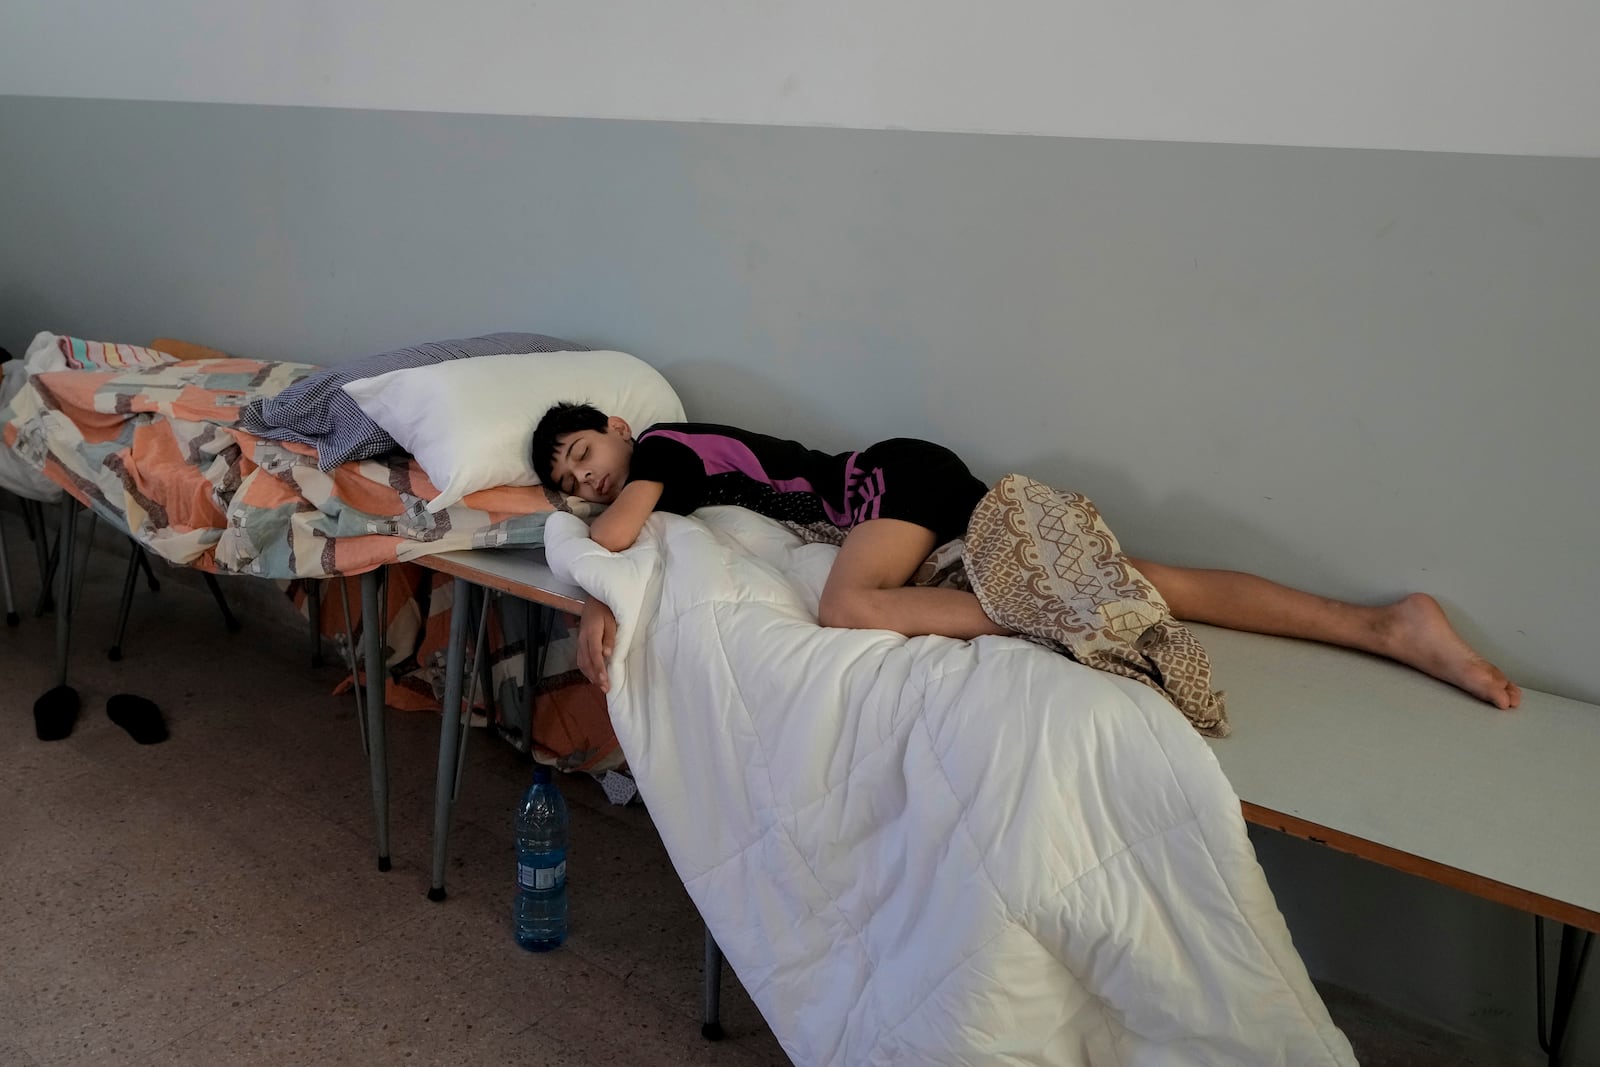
x=1359, y=372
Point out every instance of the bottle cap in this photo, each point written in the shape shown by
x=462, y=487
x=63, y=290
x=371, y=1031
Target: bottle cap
x=541, y=774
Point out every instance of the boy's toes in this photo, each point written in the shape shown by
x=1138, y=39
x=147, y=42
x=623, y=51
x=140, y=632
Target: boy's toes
x=1500, y=690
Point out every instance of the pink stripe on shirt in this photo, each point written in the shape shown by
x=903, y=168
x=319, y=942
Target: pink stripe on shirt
x=724, y=455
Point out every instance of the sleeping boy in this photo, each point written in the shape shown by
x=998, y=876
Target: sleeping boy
x=895, y=502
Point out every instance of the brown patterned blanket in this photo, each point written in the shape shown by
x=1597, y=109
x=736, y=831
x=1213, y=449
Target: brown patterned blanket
x=1043, y=563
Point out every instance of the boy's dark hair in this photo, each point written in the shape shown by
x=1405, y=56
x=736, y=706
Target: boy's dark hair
x=558, y=422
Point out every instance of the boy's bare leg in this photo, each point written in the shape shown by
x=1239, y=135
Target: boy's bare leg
x=866, y=589
x=1413, y=631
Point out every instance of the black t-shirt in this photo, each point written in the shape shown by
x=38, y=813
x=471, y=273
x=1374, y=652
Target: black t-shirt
x=701, y=464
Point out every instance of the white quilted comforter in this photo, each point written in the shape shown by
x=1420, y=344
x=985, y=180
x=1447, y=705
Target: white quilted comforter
x=931, y=851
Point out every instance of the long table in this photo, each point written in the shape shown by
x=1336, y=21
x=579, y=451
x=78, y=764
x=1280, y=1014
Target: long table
x=1335, y=747
x=1374, y=759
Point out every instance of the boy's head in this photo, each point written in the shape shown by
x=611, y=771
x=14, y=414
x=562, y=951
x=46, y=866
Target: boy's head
x=583, y=452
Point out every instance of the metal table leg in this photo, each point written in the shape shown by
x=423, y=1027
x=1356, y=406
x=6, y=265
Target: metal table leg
x=711, y=1021
x=64, y=598
x=142, y=562
x=1575, y=946
x=444, y=787
x=130, y=582
x=228, y=618
x=12, y=618
x=314, y=613
x=372, y=627
x=48, y=554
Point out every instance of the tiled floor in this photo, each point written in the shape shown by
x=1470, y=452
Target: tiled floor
x=214, y=899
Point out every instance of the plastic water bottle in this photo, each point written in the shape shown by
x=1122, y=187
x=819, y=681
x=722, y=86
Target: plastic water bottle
x=540, y=913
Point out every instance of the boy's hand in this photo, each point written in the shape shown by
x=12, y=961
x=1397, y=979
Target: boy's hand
x=597, y=637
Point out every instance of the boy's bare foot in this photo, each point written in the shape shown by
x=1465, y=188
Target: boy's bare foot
x=1420, y=636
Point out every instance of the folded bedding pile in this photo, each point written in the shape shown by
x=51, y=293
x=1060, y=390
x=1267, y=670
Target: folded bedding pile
x=48, y=352
x=935, y=851
x=158, y=450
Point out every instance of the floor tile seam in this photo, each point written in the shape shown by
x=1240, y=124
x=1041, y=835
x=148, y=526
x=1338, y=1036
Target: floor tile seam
x=642, y=990
x=636, y=991
x=478, y=822
x=80, y=772
x=644, y=994
x=727, y=1051
x=306, y=819
x=356, y=814
x=143, y=1055
x=248, y=1003
x=420, y=924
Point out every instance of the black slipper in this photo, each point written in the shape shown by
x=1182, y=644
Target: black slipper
x=55, y=712
x=140, y=717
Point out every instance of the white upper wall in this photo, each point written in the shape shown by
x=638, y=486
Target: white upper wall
x=1513, y=76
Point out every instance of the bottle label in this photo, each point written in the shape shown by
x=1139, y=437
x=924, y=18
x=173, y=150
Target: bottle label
x=530, y=877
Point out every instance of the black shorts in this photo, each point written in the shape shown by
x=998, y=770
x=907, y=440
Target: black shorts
x=915, y=481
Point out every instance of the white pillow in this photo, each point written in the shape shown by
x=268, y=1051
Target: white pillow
x=470, y=422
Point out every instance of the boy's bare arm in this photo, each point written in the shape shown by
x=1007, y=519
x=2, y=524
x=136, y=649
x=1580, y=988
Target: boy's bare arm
x=619, y=527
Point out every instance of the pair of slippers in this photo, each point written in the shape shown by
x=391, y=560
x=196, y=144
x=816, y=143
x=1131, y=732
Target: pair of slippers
x=56, y=711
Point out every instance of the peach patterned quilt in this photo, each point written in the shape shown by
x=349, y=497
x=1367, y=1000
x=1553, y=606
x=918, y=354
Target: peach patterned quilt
x=157, y=452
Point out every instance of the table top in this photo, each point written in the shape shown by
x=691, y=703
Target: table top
x=1382, y=755
x=522, y=572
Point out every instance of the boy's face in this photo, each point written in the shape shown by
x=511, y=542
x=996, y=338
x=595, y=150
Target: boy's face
x=593, y=464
